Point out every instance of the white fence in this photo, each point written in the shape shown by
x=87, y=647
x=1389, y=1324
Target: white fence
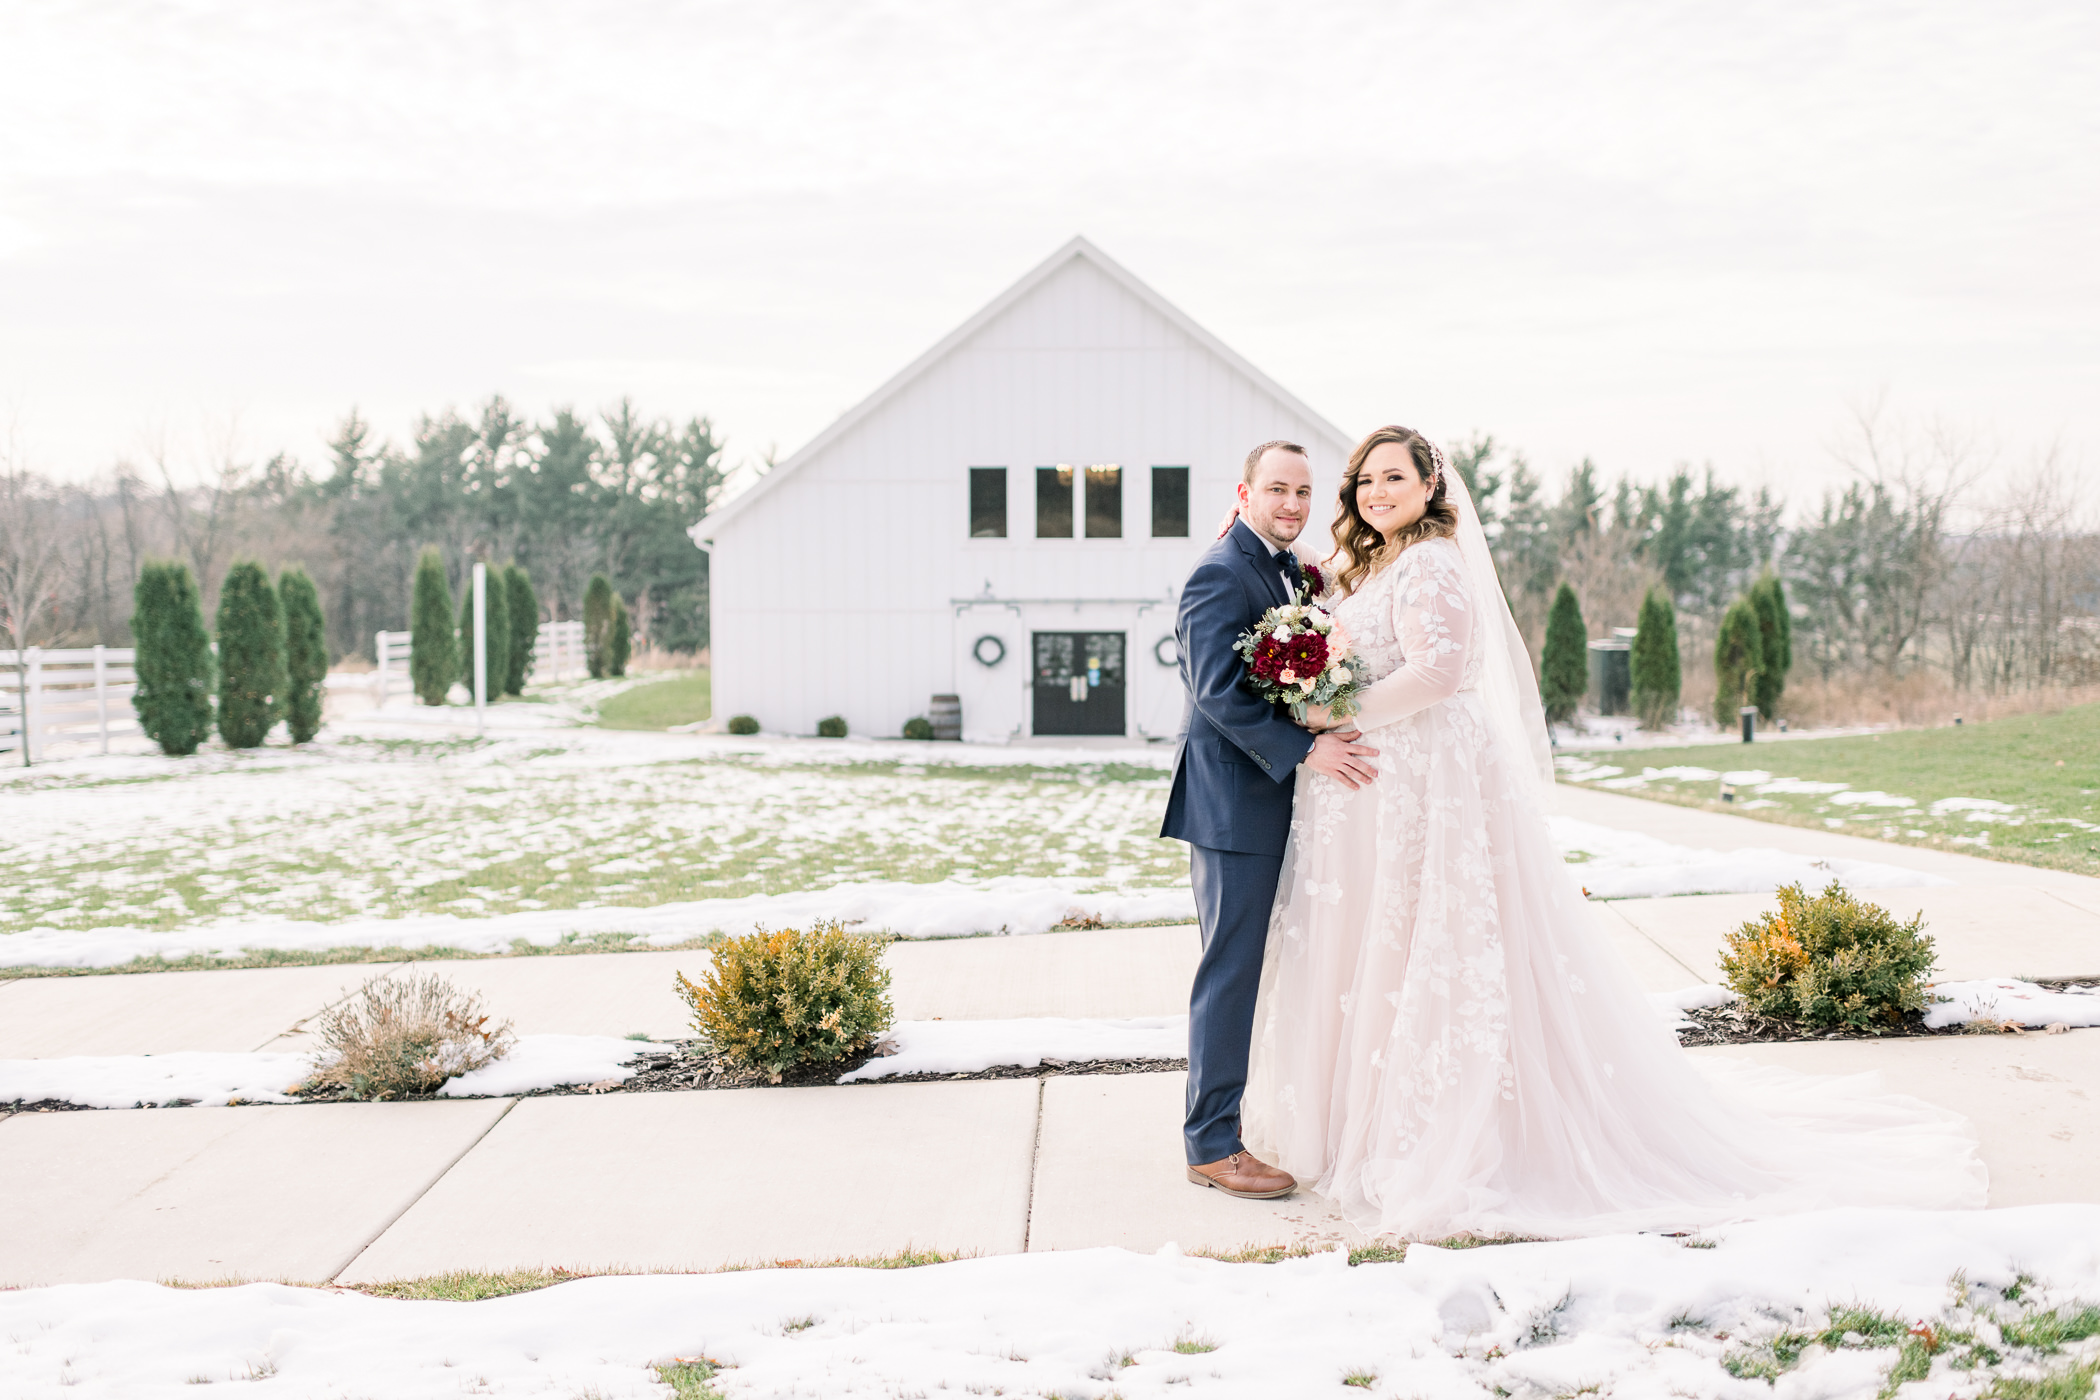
x=78, y=696
x=557, y=652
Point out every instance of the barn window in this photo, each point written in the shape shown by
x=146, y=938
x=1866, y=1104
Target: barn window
x=1170, y=503
x=987, y=503
x=1104, y=503
x=1053, y=503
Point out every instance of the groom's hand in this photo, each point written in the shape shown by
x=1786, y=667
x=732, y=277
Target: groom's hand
x=1341, y=758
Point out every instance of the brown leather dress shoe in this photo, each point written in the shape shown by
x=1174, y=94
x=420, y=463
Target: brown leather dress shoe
x=1245, y=1175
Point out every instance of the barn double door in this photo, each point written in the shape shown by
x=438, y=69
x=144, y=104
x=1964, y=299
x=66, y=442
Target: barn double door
x=1079, y=683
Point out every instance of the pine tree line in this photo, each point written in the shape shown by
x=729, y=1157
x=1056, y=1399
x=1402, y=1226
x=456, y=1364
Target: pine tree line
x=271, y=662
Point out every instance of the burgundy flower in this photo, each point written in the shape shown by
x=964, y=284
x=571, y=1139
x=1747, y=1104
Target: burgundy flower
x=1270, y=657
x=1305, y=653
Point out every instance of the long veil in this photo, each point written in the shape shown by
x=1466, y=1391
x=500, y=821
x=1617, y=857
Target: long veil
x=1508, y=688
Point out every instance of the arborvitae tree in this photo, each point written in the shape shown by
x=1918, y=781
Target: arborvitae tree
x=498, y=624
x=1738, y=659
x=305, y=653
x=524, y=612
x=598, y=626
x=1564, y=664
x=1658, y=670
x=174, y=667
x=622, y=637
x=499, y=633
x=1776, y=631
x=433, y=658
x=251, y=656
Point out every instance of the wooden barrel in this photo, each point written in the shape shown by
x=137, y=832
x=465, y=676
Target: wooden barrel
x=946, y=715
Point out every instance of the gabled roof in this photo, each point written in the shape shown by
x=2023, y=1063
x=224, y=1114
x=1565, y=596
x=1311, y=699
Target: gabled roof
x=1079, y=248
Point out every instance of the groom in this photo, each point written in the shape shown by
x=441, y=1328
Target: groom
x=1233, y=781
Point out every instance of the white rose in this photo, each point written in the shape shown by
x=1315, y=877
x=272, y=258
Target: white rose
x=1341, y=675
x=1282, y=633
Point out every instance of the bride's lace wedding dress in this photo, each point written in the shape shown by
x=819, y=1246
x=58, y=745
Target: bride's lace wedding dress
x=1446, y=1043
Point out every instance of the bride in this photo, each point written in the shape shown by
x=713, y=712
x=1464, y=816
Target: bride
x=1444, y=1042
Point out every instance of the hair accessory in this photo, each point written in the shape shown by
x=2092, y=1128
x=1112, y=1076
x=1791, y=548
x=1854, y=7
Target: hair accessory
x=1436, y=461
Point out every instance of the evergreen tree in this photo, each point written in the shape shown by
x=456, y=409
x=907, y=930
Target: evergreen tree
x=433, y=658
x=524, y=611
x=1564, y=665
x=1776, y=633
x=305, y=653
x=1739, y=657
x=1658, y=670
x=497, y=623
x=622, y=637
x=251, y=656
x=598, y=626
x=173, y=696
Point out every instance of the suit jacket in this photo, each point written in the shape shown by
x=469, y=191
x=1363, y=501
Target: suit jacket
x=1235, y=771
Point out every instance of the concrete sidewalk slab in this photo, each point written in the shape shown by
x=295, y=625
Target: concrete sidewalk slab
x=1110, y=1170
x=2034, y=1099
x=142, y=1013
x=2001, y=931
x=698, y=1181
x=1696, y=827
x=1654, y=966
x=1080, y=973
x=581, y=993
x=288, y=1192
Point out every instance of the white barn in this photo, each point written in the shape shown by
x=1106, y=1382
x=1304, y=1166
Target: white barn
x=1008, y=520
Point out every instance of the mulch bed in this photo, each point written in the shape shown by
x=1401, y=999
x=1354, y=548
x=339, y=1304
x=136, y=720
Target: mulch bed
x=693, y=1067
x=1736, y=1024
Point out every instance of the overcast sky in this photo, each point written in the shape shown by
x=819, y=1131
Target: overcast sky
x=1646, y=233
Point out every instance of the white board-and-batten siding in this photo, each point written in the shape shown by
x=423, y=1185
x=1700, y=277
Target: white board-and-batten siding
x=846, y=582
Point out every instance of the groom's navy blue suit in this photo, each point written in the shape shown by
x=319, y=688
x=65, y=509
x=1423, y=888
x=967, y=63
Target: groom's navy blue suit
x=1233, y=781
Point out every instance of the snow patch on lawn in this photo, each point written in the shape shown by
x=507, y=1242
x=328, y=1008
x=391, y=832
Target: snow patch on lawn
x=1626, y=1314
x=1632, y=865
x=939, y=909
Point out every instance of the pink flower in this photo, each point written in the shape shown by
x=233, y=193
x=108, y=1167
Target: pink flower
x=1288, y=677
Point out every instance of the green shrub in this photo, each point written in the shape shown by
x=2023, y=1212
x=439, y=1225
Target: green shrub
x=251, y=656
x=918, y=727
x=305, y=653
x=1564, y=663
x=174, y=664
x=1830, y=960
x=405, y=1035
x=497, y=626
x=622, y=644
x=522, y=608
x=1775, y=629
x=598, y=626
x=1658, y=669
x=433, y=659
x=743, y=724
x=775, y=1001
x=832, y=727
x=1739, y=657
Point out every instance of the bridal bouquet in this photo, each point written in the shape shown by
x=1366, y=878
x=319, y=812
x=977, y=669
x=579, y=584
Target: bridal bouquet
x=1298, y=656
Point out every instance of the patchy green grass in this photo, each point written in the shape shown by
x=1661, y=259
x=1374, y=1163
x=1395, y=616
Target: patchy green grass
x=470, y=1286
x=352, y=829
x=681, y=697
x=2024, y=789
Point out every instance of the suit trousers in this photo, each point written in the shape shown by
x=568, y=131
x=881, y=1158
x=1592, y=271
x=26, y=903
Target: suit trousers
x=1234, y=892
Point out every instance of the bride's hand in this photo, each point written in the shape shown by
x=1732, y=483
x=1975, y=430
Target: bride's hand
x=1230, y=516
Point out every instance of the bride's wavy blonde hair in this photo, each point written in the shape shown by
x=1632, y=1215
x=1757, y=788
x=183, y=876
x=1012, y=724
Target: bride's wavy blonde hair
x=1361, y=550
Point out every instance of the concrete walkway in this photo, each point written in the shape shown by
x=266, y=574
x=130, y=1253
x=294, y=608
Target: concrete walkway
x=361, y=1192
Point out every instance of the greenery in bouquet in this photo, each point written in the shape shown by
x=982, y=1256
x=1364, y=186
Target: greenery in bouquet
x=1297, y=656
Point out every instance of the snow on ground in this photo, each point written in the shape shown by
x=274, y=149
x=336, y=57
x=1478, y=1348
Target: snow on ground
x=2006, y=999
x=1631, y=865
x=206, y=1077
x=1643, y=1316
x=965, y=1047
x=938, y=909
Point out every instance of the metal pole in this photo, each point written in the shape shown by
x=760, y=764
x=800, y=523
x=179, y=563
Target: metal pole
x=481, y=646
x=102, y=692
x=32, y=695
x=379, y=676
